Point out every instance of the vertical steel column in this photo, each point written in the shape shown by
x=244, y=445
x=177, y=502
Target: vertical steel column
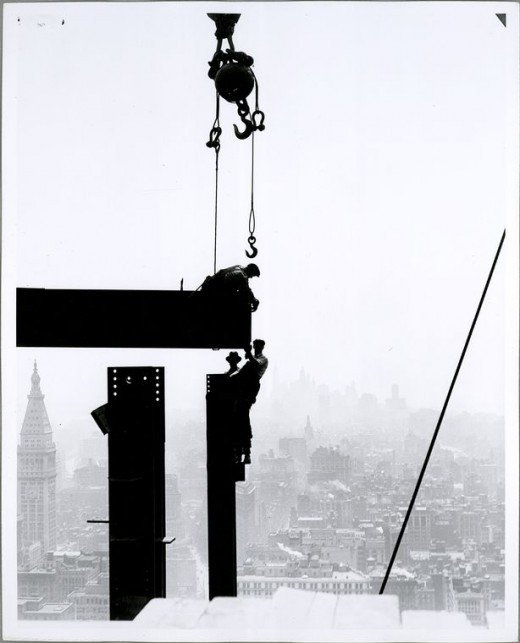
x=222, y=550
x=135, y=423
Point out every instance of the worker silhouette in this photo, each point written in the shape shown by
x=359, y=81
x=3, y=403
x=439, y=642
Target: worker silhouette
x=233, y=281
x=233, y=360
x=246, y=384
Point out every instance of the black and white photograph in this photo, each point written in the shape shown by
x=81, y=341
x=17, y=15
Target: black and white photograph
x=260, y=321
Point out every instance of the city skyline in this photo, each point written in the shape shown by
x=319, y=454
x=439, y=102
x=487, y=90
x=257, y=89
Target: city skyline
x=185, y=398
x=309, y=516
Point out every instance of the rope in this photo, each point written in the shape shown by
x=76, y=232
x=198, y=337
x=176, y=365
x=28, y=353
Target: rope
x=216, y=124
x=439, y=422
x=217, y=151
x=252, y=220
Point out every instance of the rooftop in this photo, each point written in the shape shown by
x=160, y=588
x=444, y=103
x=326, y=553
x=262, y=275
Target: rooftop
x=51, y=608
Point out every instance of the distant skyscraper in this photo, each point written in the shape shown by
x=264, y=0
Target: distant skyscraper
x=396, y=403
x=308, y=430
x=37, y=473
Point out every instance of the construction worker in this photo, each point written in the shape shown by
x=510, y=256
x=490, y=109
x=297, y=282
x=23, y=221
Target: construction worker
x=247, y=385
x=233, y=281
x=233, y=359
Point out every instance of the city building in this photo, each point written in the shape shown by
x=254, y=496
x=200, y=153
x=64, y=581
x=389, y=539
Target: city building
x=245, y=516
x=308, y=430
x=57, y=575
x=92, y=603
x=181, y=571
x=174, y=519
x=471, y=604
x=37, y=474
x=328, y=464
x=417, y=536
x=469, y=526
x=294, y=447
x=36, y=609
x=262, y=579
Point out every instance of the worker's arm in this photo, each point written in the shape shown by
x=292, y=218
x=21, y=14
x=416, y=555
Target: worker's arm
x=250, y=356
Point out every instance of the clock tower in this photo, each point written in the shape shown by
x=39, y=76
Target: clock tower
x=37, y=473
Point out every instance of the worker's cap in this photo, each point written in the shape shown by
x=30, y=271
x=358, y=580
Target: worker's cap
x=253, y=270
x=259, y=342
x=233, y=358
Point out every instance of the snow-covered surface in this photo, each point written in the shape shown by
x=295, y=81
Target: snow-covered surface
x=288, y=609
x=495, y=620
x=350, y=575
x=298, y=615
x=291, y=552
x=421, y=619
x=172, y=612
x=397, y=572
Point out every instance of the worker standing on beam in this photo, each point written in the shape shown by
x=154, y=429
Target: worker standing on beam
x=233, y=281
x=247, y=383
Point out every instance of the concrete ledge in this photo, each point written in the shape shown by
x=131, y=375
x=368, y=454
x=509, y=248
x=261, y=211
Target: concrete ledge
x=172, y=612
x=289, y=609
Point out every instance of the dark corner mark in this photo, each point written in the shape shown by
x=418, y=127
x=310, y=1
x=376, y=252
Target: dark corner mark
x=502, y=17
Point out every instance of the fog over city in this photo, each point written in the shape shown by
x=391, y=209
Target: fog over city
x=281, y=409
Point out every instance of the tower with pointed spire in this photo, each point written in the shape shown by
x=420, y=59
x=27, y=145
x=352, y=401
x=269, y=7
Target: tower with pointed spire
x=308, y=430
x=37, y=473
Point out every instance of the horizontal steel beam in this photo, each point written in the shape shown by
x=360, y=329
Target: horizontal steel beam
x=130, y=319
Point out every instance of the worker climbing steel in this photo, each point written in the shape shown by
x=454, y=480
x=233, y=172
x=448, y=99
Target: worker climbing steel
x=245, y=387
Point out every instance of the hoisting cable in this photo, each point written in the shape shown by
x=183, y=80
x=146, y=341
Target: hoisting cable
x=439, y=422
x=217, y=151
x=214, y=141
x=252, y=220
x=256, y=116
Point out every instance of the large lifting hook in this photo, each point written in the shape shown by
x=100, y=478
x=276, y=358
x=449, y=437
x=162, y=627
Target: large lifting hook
x=233, y=76
x=251, y=240
x=253, y=123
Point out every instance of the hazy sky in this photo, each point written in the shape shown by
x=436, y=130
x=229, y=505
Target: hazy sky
x=382, y=186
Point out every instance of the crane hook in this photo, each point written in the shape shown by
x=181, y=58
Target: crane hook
x=254, y=251
x=247, y=132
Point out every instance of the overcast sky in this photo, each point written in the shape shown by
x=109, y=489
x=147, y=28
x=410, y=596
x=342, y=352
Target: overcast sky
x=383, y=179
